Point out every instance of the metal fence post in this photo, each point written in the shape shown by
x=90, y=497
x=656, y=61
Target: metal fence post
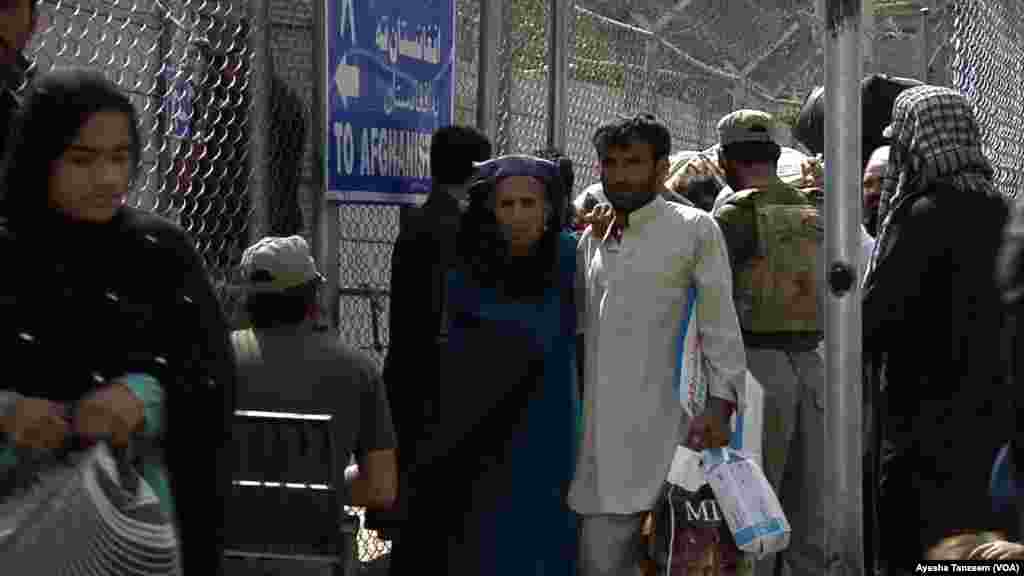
x=558, y=72
x=651, y=74
x=331, y=264
x=843, y=406
x=869, y=35
x=259, y=120
x=925, y=37
x=489, y=75
x=318, y=122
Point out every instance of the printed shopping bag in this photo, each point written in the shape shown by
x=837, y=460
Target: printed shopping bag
x=691, y=537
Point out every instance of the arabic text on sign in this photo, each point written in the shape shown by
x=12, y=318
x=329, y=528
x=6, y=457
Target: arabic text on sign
x=423, y=44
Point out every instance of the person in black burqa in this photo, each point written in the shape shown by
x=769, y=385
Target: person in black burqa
x=423, y=254
x=1011, y=283
x=111, y=317
x=933, y=320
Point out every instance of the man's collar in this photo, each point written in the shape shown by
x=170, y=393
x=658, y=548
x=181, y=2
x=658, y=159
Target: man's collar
x=648, y=211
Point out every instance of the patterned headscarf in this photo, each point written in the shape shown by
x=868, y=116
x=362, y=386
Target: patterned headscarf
x=934, y=138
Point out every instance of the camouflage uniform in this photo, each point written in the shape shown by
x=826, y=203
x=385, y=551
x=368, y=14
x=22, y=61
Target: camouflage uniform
x=774, y=233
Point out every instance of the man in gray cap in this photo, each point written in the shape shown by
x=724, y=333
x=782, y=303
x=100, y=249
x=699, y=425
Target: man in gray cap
x=285, y=365
x=774, y=232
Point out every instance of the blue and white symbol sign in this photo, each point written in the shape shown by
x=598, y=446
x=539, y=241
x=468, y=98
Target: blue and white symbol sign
x=390, y=84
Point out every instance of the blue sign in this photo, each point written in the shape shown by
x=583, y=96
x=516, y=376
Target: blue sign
x=390, y=84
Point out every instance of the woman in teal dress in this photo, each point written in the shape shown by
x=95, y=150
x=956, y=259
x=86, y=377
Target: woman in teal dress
x=511, y=389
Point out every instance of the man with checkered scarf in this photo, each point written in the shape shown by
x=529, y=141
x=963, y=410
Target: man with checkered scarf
x=932, y=326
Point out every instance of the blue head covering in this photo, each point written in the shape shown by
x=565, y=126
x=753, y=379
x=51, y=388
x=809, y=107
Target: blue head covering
x=489, y=173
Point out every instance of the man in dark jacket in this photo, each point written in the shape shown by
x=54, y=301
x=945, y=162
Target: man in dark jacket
x=424, y=251
x=933, y=321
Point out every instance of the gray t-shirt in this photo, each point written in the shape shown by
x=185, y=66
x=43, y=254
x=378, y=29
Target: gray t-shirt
x=307, y=373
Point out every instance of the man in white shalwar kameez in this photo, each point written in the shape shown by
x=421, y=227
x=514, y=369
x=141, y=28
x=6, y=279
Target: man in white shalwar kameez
x=635, y=267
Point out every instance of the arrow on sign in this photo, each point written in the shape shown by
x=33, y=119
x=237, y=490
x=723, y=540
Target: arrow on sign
x=346, y=79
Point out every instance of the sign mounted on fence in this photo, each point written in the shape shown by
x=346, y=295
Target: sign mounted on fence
x=390, y=83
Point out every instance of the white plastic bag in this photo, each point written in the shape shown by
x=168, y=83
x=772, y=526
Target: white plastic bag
x=746, y=499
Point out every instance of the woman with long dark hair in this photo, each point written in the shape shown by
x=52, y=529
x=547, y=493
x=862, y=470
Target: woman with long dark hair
x=109, y=325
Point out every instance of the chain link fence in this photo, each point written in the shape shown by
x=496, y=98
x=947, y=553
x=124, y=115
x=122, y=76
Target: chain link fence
x=986, y=64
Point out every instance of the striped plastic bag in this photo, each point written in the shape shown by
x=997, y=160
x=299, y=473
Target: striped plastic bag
x=88, y=513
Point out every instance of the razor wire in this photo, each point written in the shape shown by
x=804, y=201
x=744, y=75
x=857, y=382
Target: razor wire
x=617, y=69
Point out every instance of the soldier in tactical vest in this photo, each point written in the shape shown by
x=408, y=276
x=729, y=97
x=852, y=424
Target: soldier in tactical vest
x=774, y=232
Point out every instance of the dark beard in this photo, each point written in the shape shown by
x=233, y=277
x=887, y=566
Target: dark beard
x=631, y=201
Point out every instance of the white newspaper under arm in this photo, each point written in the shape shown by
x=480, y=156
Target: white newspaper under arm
x=747, y=426
x=691, y=384
x=746, y=499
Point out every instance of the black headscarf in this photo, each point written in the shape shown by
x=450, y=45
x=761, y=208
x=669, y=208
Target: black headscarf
x=55, y=108
x=878, y=93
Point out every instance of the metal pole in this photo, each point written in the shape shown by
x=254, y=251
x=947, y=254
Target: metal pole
x=259, y=120
x=489, y=71
x=871, y=50
x=332, y=263
x=558, y=68
x=925, y=36
x=843, y=420
x=318, y=122
x=650, y=74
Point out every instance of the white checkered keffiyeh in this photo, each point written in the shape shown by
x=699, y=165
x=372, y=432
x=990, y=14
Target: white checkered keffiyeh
x=935, y=137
